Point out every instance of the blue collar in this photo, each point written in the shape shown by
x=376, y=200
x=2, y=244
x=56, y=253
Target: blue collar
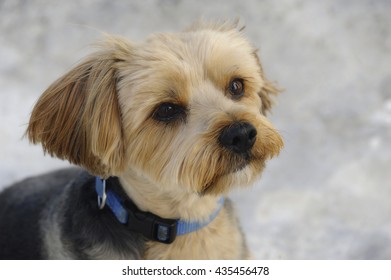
x=150, y=225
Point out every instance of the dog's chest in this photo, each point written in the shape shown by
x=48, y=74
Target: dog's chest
x=222, y=239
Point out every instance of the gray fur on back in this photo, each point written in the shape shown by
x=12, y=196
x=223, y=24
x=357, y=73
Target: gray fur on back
x=55, y=216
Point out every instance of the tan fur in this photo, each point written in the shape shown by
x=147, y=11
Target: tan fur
x=100, y=116
x=222, y=239
x=78, y=117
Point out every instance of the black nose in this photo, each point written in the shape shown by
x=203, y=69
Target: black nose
x=239, y=137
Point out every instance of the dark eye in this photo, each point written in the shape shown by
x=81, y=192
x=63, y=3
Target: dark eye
x=236, y=88
x=167, y=112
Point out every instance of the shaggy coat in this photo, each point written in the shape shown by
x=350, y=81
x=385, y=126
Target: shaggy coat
x=177, y=120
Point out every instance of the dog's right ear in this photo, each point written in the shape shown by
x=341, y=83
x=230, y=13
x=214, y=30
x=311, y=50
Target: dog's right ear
x=78, y=117
x=268, y=90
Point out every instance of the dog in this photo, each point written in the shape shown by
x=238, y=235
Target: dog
x=160, y=132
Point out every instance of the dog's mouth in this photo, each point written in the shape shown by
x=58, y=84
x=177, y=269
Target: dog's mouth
x=239, y=166
x=239, y=162
x=223, y=180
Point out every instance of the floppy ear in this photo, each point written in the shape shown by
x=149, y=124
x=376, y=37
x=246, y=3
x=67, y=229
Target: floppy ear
x=78, y=117
x=268, y=90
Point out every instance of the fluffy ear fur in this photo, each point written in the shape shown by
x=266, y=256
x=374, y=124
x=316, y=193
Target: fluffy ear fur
x=267, y=91
x=78, y=117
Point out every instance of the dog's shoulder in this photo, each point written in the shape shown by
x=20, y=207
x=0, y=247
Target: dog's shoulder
x=91, y=233
x=55, y=216
x=21, y=209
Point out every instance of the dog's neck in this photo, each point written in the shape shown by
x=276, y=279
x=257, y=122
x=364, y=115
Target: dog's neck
x=167, y=203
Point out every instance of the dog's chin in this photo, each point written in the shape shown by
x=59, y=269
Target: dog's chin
x=240, y=174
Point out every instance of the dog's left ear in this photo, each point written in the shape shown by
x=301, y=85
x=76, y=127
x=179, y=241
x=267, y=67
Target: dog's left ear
x=78, y=118
x=268, y=90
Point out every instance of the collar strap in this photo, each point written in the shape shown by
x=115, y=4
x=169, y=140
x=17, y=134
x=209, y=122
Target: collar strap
x=150, y=225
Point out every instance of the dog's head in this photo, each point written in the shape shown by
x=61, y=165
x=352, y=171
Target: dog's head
x=184, y=110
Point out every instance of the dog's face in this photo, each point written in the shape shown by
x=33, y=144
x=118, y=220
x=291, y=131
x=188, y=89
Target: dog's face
x=183, y=110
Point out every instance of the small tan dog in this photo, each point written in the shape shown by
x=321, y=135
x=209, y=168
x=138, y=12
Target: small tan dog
x=178, y=120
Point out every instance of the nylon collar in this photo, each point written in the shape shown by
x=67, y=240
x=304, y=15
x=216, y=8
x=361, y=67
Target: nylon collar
x=150, y=225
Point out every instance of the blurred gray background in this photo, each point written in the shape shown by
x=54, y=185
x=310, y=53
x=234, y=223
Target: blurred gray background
x=328, y=195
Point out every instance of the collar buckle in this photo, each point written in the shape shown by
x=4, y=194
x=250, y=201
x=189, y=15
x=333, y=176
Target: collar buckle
x=166, y=231
x=151, y=226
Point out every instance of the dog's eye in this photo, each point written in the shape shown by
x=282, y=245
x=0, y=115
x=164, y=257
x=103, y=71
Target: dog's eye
x=236, y=88
x=168, y=111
